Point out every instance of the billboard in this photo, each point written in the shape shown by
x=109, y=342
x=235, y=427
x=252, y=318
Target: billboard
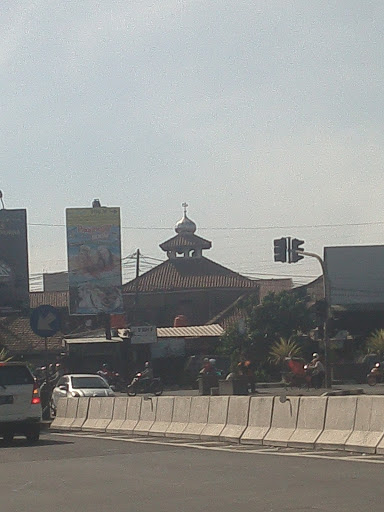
x=356, y=275
x=94, y=260
x=143, y=334
x=14, y=275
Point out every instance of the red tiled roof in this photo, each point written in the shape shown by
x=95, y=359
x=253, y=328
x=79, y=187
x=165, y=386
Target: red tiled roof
x=188, y=274
x=17, y=336
x=55, y=299
x=185, y=240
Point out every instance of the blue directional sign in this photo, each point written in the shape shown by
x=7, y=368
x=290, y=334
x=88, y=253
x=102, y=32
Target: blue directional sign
x=45, y=321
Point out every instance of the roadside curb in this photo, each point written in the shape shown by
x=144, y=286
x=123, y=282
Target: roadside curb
x=345, y=392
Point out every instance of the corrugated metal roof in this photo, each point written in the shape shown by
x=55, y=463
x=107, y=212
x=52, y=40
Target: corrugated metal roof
x=183, y=240
x=55, y=299
x=83, y=341
x=188, y=274
x=192, y=331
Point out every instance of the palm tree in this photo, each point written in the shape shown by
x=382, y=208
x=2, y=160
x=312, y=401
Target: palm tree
x=375, y=343
x=282, y=349
x=4, y=358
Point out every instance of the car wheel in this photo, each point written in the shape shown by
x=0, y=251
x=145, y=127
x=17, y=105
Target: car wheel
x=33, y=434
x=8, y=437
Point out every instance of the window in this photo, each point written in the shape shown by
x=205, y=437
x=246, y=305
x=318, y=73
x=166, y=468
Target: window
x=89, y=383
x=15, y=376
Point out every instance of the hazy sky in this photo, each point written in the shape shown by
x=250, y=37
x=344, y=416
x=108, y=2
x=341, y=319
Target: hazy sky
x=259, y=114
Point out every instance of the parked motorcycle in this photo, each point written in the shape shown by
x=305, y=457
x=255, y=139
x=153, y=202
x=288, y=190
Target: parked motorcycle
x=142, y=384
x=375, y=375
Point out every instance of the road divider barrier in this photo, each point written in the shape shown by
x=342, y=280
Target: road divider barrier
x=310, y=422
x=147, y=416
x=368, y=428
x=198, y=417
x=237, y=419
x=217, y=418
x=259, y=422
x=60, y=421
x=180, y=416
x=339, y=422
x=163, y=417
x=284, y=420
x=354, y=423
x=132, y=415
x=119, y=415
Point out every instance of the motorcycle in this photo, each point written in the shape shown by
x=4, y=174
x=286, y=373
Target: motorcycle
x=375, y=375
x=141, y=384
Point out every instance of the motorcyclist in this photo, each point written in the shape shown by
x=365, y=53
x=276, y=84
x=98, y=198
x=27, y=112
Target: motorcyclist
x=317, y=371
x=104, y=372
x=147, y=373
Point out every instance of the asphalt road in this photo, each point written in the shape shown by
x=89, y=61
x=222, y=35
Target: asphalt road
x=88, y=474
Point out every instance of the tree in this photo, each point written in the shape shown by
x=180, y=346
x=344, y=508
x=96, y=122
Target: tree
x=375, y=343
x=280, y=315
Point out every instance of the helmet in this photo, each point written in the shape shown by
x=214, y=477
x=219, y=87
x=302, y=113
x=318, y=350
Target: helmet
x=212, y=361
x=315, y=355
x=105, y=365
x=205, y=360
x=147, y=364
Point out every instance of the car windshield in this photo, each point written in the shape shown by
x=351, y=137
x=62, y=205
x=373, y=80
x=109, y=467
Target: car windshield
x=89, y=383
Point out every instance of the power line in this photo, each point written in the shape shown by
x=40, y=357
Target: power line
x=237, y=228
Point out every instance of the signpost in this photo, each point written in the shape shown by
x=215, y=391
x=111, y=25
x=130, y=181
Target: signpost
x=45, y=322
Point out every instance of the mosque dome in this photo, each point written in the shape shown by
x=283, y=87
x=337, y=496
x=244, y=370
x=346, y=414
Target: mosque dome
x=185, y=225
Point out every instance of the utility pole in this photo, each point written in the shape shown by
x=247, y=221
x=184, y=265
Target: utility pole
x=137, y=284
x=328, y=377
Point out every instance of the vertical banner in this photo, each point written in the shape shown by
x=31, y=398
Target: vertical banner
x=94, y=260
x=14, y=275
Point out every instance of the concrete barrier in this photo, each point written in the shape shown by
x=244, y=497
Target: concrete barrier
x=105, y=413
x=339, y=422
x=180, y=416
x=368, y=429
x=259, y=422
x=198, y=417
x=119, y=415
x=163, y=418
x=283, y=424
x=217, y=417
x=60, y=422
x=310, y=422
x=81, y=413
x=237, y=419
x=132, y=415
x=93, y=414
x=71, y=412
x=147, y=416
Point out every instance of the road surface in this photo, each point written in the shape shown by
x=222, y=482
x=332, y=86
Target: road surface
x=91, y=473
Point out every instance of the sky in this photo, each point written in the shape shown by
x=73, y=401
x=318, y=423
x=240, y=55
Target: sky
x=265, y=116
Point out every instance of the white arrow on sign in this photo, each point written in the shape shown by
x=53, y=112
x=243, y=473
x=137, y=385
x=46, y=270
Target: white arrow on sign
x=44, y=322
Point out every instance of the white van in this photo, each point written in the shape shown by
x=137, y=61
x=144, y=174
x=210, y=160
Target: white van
x=20, y=405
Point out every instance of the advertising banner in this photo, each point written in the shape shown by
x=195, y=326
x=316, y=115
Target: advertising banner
x=141, y=334
x=14, y=275
x=94, y=260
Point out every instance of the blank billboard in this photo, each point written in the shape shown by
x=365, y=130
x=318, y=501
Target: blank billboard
x=356, y=275
x=14, y=276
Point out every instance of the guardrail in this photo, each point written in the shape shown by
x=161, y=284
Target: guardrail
x=354, y=423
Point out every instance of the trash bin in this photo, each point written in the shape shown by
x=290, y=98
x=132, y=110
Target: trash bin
x=206, y=382
x=233, y=387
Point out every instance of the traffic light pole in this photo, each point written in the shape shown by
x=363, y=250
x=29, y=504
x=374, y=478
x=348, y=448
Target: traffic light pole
x=328, y=377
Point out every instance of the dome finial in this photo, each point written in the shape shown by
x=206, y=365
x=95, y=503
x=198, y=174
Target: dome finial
x=185, y=225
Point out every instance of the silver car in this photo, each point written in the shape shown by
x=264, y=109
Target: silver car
x=79, y=384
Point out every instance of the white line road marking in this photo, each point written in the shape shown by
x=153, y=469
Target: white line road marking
x=371, y=459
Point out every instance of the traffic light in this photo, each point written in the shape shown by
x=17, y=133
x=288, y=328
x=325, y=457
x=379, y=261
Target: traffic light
x=280, y=249
x=296, y=249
